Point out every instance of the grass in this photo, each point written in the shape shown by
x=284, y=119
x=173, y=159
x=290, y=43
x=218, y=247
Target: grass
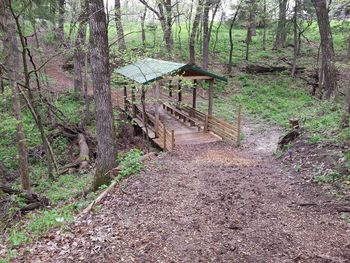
x=65, y=195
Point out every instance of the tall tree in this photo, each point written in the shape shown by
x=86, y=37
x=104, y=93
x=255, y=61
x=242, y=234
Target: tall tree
x=205, y=54
x=105, y=130
x=78, y=59
x=281, y=33
x=192, y=41
x=8, y=25
x=328, y=78
x=60, y=29
x=119, y=26
x=166, y=18
x=233, y=20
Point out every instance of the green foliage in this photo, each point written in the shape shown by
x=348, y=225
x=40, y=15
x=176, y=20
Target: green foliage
x=130, y=163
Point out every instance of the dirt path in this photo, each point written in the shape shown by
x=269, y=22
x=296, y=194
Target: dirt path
x=206, y=203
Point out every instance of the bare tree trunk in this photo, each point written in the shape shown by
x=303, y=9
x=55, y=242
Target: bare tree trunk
x=346, y=115
x=205, y=55
x=328, y=82
x=60, y=29
x=281, y=33
x=231, y=39
x=79, y=50
x=119, y=26
x=251, y=30
x=32, y=102
x=295, y=31
x=143, y=32
x=12, y=60
x=105, y=130
x=196, y=21
x=265, y=25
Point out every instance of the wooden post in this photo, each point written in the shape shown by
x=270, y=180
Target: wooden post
x=133, y=101
x=157, y=91
x=170, y=89
x=211, y=95
x=164, y=137
x=172, y=140
x=206, y=123
x=179, y=92
x=125, y=99
x=194, y=95
x=239, y=125
x=117, y=100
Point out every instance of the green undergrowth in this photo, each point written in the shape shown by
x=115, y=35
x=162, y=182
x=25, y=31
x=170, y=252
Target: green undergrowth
x=67, y=200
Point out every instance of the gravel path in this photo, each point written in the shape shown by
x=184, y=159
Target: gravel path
x=206, y=203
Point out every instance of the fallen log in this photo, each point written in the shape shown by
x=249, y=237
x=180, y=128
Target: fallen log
x=289, y=137
x=32, y=200
x=259, y=69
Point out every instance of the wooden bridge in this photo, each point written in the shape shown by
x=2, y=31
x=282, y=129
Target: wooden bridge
x=168, y=121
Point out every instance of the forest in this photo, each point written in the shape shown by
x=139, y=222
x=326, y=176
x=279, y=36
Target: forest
x=174, y=131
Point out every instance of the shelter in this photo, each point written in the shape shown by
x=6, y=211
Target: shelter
x=155, y=71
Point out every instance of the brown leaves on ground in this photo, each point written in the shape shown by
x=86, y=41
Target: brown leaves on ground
x=196, y=205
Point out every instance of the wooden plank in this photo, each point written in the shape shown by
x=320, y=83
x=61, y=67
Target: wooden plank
x=188, y=78
x=211, y=97
x=221, y=122
x=239, y=125
x=222, y=133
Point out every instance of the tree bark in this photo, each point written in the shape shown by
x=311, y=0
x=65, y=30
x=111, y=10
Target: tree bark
x=196, y=21
x=119, y=26
x=79, y=50
x=328, y=73
x=231, y=39
x=295, y=33
x=346, y=115
x=143, y=32
x=60, y=29
x=205, y=55
x=105, y=130
x=281, y=33
x=12, y=60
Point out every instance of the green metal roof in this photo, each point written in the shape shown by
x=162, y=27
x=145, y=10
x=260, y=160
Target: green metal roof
x=148, y=70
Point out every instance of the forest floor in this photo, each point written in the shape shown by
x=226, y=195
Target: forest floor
x=206, y=203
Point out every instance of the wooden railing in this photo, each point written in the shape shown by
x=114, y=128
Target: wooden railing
x=227, y=131
x=166, y=137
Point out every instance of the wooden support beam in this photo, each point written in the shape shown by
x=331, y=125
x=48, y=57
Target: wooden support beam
x=189, y=78
x=179, y=92
x=157, y=93
x=125, y=98
x=194, y=95
x=170, y=89
x=172, y=140
x=211, y=95
x=239, y=125
x=133, y=101
x=206, y=123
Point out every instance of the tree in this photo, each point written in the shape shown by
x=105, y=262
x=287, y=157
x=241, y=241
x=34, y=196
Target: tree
x=119, y=26
x=327, y=72
x=196, y=21
x=78, y=59
x=232, y=22
x=281, y=33
x=205, y=55
x=60, y=29
x=105, y=131
x=165, y=17
x=12, y=60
